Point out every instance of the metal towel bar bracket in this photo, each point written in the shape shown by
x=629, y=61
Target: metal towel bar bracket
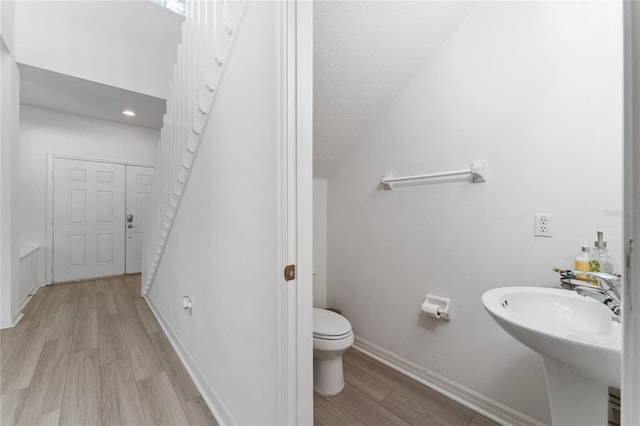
x=478, y=172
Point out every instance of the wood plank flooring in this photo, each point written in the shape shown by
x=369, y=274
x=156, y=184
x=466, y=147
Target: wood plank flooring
x=379, y=395
x=92, y=353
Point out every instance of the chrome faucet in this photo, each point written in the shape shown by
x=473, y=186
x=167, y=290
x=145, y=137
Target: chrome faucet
x=606, y=293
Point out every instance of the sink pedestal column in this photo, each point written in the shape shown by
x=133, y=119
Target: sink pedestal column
x=575, y=400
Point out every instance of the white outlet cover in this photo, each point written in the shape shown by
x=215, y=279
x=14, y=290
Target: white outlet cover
x=542, y=225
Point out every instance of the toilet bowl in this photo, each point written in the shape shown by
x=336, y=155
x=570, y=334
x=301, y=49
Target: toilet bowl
x=332, y=336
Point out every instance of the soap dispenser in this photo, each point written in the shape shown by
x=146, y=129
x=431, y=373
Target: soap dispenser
x=605, y=262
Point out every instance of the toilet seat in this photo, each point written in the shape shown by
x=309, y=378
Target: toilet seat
x=325, y=337
x=320, y=344
x=329, y=325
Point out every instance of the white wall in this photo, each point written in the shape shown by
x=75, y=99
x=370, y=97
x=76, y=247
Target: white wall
x=320, y=242
x=7, y=24
x=127, y=44
x=222, y=250
x=9, y=233
x=44, y=132
x=535, y=89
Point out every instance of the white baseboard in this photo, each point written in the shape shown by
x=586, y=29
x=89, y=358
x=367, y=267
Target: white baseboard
x=32, y=291
x=18, y=315
x=470, y=398
x=13, y=321
x=210, y=396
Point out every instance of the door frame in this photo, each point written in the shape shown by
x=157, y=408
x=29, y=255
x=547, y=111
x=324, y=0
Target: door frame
x=48, y=249
x=631, y=310
x=294, y=136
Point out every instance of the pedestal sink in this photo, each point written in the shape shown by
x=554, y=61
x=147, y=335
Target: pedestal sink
x=580, y=341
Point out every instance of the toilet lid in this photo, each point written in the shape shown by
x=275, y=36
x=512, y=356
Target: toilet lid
x=327, y=323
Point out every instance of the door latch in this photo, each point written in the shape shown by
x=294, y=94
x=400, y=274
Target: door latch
x=129, y=218
x=290, y=272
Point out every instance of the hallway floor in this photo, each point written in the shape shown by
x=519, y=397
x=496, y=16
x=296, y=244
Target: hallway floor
x=92, y=353
x=379, y=395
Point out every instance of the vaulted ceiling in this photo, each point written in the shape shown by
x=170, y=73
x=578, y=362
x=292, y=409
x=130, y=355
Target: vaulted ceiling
x=365, y=53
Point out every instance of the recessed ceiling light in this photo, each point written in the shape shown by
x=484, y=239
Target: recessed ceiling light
x=129, y=113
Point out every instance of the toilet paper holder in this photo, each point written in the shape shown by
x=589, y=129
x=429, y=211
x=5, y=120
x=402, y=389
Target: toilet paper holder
x=437, y=307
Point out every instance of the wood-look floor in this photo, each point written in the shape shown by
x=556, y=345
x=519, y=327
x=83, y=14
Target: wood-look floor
x=92, y=353
x=378, y=395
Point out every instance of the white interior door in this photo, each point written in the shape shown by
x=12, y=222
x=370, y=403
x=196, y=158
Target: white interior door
x=88, y=219
x=138, y=190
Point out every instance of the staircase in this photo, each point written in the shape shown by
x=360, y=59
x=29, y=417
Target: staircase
x=208, y=34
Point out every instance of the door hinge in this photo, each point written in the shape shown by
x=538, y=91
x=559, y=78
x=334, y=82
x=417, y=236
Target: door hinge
x=290, y=272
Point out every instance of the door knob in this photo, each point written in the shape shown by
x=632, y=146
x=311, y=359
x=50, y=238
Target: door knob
x=129, y=226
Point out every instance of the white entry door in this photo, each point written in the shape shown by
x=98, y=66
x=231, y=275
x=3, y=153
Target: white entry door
x=88, y=219
x=138, y=190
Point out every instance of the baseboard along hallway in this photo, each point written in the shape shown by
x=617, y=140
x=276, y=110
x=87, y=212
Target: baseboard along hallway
x=91, y=353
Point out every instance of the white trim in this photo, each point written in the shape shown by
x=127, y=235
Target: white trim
x=31, y=292
x=208, y=393
x=18, y=315
x=630, y=391
x=48, y=248
x=294, y=168
x=468, y=397
x=286, y=369
x=14, y=321
x=303, y=316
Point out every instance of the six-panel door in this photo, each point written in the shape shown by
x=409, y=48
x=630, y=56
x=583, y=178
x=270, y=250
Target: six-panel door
x=88, y=219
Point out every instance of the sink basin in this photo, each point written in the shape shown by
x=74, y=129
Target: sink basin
x=578, y=338
x=574, y=330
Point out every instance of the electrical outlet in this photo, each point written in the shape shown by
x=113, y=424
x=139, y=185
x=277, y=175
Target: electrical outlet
x=542, y=225
x=187, y=303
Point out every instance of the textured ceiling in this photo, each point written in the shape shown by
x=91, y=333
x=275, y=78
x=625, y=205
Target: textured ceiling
x=60, y=92
x=365, y=52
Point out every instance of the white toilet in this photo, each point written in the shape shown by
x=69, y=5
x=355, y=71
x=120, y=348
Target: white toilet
x=332, y=336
